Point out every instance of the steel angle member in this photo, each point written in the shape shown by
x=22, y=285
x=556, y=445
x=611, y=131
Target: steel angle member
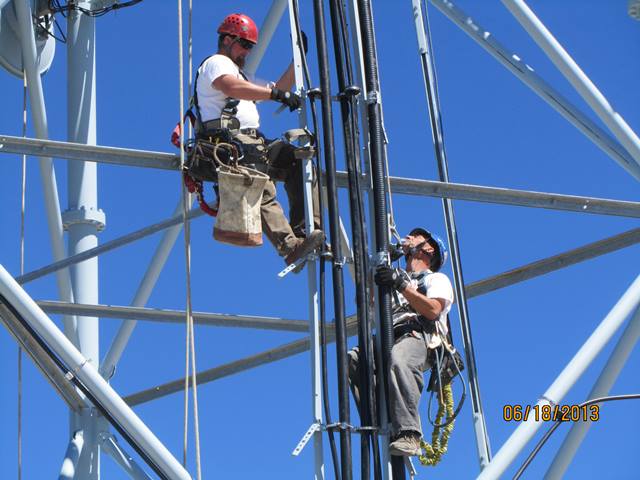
x=315, y=427
x=10, y=47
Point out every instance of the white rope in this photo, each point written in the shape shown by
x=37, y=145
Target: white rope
x=186, y=203
x=190, y=55
x=186, y=366
x=22, y=217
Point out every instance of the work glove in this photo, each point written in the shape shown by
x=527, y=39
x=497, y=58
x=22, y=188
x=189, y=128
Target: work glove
x=391, y=277
x=290, y=99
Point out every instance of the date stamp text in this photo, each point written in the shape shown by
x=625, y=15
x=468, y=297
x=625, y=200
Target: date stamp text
x=555, y=413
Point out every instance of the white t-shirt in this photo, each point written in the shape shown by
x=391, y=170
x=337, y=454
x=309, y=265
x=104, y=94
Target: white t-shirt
x=433, y=285
x=211, y=100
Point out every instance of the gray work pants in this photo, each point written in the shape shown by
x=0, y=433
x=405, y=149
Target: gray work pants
x=409, y=361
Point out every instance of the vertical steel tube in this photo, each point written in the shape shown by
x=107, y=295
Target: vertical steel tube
x=567, y=378
x=83, y=219
x=336, y=263
x=312, y=274
x=47, y=172
x=605, y=381
x=580, y=81
x=431, y=88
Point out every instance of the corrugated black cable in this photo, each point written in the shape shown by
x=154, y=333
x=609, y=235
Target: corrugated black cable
x=322, y=269
x=348, y=105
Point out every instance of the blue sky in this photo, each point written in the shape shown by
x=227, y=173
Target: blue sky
x=498, y=133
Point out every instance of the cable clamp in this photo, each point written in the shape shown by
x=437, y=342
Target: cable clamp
x=314, y=93
x=349, y=91
x=326, y=255
x=351, y=428
x=341, y=263
x=373, y=97
x=74, y=373
x=381, y=258
x=551, y=402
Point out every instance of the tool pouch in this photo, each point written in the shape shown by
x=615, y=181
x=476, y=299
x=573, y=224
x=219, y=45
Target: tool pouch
x=201, y=163
x=214, y=144
x=240, y=195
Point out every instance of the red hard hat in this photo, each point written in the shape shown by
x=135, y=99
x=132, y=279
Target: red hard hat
x=241, y=26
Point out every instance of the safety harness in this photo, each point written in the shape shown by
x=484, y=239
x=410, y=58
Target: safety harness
x=212, y=144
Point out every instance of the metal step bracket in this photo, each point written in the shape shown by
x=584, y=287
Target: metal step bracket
x=305, y=438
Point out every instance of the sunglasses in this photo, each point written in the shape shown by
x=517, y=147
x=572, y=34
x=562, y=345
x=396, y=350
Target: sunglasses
x=244, y=43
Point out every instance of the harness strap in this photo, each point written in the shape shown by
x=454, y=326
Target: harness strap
x=195, y=186
x=177, y=131
x=231, y=102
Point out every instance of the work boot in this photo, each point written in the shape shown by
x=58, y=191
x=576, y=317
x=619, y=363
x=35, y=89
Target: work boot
x=304, y=248
x=406, y=445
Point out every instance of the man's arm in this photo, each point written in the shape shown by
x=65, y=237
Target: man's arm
x=425, y=306
x=287, y=79
x=241, y=89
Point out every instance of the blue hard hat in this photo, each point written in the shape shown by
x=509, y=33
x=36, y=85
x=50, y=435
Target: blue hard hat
x=438, y=244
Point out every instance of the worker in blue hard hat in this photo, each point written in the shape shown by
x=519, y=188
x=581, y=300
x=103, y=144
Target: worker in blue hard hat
x=421, y=299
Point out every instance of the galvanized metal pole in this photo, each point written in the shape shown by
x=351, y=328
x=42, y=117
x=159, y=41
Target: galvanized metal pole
x=605, y=381
x=428, y=69
x=567, y=378
x=312, y=274
x=580, y=81
x=83, y=220
x=47, y=172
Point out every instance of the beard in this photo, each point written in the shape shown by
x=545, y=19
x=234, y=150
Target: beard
x=239, y=60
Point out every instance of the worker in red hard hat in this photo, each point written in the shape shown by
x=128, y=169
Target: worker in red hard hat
x=225, y=98
x=241, y=30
